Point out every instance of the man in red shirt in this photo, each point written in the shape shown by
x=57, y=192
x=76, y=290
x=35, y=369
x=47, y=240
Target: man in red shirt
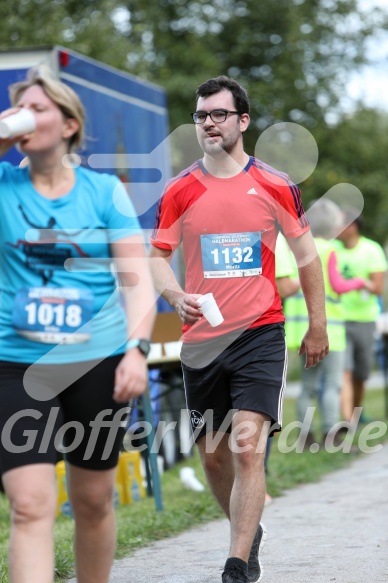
x=227, y=209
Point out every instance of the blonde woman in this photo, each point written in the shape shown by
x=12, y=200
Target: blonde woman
x=70, y=357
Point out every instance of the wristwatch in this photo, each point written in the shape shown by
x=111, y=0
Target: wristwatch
x=141, y=344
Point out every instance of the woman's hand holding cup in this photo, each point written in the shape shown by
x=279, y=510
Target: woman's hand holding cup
x=15, y=122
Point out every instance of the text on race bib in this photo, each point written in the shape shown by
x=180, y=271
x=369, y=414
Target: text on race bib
x=231, y=255
x=53, y=315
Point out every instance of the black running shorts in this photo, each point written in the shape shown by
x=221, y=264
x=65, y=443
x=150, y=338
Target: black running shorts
x=83, y=420
x=249, y=375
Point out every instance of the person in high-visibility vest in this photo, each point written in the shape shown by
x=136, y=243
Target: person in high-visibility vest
x=287, y=282
x=286, y=269
x=326, y=378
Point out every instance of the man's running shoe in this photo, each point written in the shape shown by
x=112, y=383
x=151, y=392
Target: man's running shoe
x=235, y=571
x=255, y=571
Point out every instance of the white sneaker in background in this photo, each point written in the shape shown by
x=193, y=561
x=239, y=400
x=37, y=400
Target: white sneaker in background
x=189, y=480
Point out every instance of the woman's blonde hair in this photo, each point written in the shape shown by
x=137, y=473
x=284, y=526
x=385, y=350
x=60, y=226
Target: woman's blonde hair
x=61, y=94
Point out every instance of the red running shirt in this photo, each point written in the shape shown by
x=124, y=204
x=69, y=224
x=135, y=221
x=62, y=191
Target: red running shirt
x=229, y=227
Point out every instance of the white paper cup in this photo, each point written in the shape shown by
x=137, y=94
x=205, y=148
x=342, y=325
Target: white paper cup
x=17, y=124
x=210, y=310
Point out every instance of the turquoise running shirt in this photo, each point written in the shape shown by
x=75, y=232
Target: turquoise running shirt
x=59, y=300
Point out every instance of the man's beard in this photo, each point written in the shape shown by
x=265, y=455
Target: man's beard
x=217, y=148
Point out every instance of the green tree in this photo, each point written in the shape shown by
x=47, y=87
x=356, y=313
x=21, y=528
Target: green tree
x=294, y=56
x=84, y=25
x=354, y=151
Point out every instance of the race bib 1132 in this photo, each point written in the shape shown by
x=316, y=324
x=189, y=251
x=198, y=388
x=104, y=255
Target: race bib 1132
x=231, y=254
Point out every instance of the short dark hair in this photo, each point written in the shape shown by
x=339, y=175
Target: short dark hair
x=217, y=84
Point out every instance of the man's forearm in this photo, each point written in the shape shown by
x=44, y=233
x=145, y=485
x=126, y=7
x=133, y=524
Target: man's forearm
x=311, y=281
x=165, y=281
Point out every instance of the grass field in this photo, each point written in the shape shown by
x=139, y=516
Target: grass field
x=139, y=523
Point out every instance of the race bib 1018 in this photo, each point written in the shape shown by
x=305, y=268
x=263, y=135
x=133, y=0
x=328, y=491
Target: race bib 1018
x=53, y=315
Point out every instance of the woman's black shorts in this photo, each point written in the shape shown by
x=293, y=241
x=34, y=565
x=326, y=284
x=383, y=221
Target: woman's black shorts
x=83, y=420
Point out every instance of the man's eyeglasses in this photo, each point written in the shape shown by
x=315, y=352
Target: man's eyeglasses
x=217, y=115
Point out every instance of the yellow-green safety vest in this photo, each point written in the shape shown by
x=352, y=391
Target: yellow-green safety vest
x=296, y=314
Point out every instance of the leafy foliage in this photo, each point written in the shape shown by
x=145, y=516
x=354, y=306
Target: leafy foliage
x=354, y=151
x=293, y=56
